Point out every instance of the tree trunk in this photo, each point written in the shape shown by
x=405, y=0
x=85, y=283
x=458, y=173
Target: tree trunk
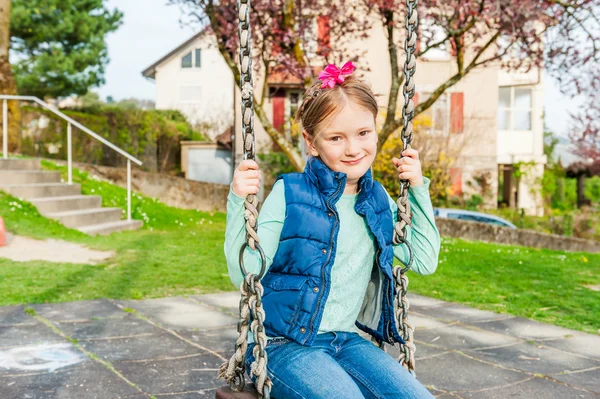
x=581, y=200
x=7, y=80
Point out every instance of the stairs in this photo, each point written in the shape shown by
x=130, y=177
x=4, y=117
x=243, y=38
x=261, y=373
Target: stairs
x=63, y=202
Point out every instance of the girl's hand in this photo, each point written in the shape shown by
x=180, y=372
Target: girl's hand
x=246, y=179
x=409, y=167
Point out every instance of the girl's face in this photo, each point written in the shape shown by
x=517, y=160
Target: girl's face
x=348, y=144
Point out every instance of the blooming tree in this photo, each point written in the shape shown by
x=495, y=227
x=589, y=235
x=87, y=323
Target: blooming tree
x=559, y=35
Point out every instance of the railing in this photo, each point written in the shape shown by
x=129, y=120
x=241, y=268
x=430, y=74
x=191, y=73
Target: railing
x=71, y=122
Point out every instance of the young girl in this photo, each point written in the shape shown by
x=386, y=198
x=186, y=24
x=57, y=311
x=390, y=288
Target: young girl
x=327, y=237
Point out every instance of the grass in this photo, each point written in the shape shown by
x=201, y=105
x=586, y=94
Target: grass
x=177, y=252
x=180, y=252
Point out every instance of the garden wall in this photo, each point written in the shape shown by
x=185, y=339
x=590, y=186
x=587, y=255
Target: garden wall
x=189, y=194
x=171, y=190
x=504, y=235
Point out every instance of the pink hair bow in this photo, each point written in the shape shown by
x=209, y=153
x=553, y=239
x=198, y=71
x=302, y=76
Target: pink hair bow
x=333, y=75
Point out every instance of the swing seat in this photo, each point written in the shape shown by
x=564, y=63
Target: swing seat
x=249, y=392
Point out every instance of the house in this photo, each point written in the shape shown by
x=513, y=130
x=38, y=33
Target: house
x=194, y=79
x=490, y=121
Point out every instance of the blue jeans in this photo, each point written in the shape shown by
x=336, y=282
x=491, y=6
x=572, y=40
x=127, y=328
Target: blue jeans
x=339, y=365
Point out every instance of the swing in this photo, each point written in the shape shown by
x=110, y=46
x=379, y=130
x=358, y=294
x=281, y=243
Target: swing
x=251, y=288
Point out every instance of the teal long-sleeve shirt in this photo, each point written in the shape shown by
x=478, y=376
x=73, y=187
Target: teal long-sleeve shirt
x=355, y=254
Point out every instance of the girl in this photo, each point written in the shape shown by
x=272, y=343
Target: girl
x=327, y=237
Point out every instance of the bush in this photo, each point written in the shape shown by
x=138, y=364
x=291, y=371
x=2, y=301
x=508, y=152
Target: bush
x=153, y=136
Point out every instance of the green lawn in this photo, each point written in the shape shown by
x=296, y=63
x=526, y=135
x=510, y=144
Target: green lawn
x=180, y=252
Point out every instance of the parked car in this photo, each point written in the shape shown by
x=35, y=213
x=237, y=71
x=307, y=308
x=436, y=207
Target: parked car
x=472, y=216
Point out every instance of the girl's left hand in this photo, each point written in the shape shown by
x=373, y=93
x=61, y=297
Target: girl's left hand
x=409, y=167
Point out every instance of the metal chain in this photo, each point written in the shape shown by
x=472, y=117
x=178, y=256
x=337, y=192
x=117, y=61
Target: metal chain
x=407, y=351
x=251, y=288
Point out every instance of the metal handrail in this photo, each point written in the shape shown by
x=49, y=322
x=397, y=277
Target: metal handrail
x=71, y=121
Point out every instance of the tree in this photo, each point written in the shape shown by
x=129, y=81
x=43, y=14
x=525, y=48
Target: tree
x=282, y=30
x=59, y=45
x=518, y=34
x=7, y=79
x=585, y=125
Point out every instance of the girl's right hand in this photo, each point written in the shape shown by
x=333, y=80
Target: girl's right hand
x=246, y=179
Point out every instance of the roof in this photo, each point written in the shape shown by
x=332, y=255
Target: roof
x=150, y=72
x=279, y=76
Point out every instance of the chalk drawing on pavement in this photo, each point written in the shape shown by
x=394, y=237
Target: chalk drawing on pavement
x=44, y=357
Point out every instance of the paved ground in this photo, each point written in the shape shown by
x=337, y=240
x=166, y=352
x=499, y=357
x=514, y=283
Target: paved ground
x=25, y=249
x=171, y=348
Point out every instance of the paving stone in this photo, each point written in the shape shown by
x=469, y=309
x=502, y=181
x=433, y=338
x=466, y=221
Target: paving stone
x=533, y=388
x=585, y=345
x=589, y=380
x=181, y=313
x=41, y=358
x=33, y=332
x=219, y=339
x=534, y=358
x=92, y=381
x=226, y=300
x=422, y=351
x=107, y=327
x=436, y=392
x=418, y=301
x=170, y=368
x=14, y=315
x=140, y=348
x=526, y=329
x=420, y=322
x=176, y=375
x=204, y=394
x=454, y=372
x=463, y=337
x=80, y=310
x=462, y=314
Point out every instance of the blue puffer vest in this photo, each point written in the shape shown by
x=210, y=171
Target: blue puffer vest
x=298, y=282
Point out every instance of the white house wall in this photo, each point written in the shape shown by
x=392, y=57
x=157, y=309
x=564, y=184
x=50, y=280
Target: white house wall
x=480, y=88
x=516, y=146
x=209, y=89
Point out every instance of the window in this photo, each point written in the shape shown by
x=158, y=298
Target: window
x=186, y=60
x=514, y=108
x=197, y=53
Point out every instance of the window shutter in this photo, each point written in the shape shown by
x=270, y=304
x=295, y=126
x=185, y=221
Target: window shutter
x=457, y=112
x=278, y=112
x=324, y=37
x=456, y=181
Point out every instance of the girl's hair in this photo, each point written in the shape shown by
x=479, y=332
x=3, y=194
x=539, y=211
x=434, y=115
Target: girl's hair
x=320, y=105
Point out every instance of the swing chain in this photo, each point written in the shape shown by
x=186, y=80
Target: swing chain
x=252, y=314
x=407, y=350
x=247, y=102
x=233, y=370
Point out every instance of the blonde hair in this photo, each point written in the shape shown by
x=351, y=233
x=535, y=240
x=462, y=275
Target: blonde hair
x=319, y=105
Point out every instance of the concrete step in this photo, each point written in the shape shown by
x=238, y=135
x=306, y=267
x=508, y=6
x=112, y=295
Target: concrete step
x=41, y=190
x=20, y=164
x=111, y=227
x=28, y=176
x=86, y=217
x=68, y=203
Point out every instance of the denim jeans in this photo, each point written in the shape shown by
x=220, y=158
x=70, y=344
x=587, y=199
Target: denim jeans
x=340, y=365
